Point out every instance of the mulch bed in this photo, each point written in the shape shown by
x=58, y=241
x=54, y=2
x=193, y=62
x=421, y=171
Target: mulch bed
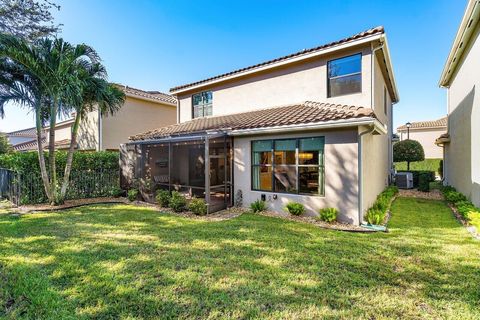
x=414, y=193
x=312, y=220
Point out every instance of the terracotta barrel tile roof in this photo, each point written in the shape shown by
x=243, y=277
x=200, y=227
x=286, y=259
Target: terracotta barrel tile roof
x=439, y=123
x=369, y=32
x=153, y=95
x=29, y=132
x=32, y=145
x=293, y=114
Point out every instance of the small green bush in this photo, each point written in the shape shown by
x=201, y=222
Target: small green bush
x=328, y=214
x=163, y=198
x=258, y=206
x=295, y=208
x=132, y=194
x=116, y=192
x=198, y=206
x=382, y=202
x=424, y=179
x=454, y=196
x=465, y=207
x=375, y=216
x=178, y=202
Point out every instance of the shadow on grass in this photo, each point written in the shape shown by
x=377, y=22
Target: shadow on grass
x=122, y=261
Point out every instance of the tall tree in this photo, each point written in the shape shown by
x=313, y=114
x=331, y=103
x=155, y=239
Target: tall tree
x=54, y=78
x=28, y=19
x=97, y=94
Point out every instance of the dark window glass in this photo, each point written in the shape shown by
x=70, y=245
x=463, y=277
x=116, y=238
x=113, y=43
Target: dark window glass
x=202, y=104
x=345, y=75
x=296, y=165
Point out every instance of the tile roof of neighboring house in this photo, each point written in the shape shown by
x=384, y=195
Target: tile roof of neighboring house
x=440, y=123
x=32, y=145
x=369, y=32
x=152, y=95
x=294, y=114
x=29, y=132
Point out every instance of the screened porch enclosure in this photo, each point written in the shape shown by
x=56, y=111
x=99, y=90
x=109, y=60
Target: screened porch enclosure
x=199, y=166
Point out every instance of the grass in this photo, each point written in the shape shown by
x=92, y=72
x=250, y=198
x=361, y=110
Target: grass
x=124, y=262
x=427, y=164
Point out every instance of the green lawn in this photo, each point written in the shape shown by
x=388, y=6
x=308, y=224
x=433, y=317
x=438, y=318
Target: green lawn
x=122, y=262
x=427, y=164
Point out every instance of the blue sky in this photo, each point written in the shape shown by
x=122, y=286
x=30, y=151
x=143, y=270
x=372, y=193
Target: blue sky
x=155, y=45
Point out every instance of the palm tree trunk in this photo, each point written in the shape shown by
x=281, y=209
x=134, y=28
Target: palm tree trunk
x=51, y=151
x=41, y=155
x=68, y=165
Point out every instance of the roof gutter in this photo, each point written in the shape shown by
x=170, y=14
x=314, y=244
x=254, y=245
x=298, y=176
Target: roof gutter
x=465, y=31
x=377, y=125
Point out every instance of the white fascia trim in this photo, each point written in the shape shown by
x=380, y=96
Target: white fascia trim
x=390, y=68
x=283, y=62
x=150, y=100
x=472, y=12
x=366, y=121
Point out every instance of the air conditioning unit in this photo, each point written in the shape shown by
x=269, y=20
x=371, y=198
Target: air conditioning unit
x=404, y=180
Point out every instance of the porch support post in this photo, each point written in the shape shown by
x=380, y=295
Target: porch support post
x=207, y=172
x=170, y=166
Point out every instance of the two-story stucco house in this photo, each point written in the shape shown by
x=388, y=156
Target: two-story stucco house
x=461, y=78
x=312, y=127
x=142, y=110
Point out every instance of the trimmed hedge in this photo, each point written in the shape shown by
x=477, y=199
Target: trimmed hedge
x=94, y=174
x=376, y=214
x=27, y=162
x=465, y=207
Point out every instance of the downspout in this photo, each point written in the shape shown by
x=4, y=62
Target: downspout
x=360, y=173
x=100, y=131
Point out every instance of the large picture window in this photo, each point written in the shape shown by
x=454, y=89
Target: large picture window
x=202, y=104
x=345, y=75
x=289, y=166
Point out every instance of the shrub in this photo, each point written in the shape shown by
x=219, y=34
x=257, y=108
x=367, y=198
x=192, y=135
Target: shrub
x=382, y=202
x=163, y=198
x=440, y=169
x=198, y=206
x=132, y=194
x=375, y=216
x=454, y=196
x=116, y=192
x=328, y=214
x=391, y=191
x=295, y=208
x=177, y=202
x=258, y=206
x=424, y=179
x=446, y=189
x=409, y=151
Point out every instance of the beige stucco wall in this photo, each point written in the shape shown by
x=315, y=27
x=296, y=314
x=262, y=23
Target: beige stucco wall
x=136, y=116
x=375, y=163
x=462, y=154
x=427, y=138
x=341, y=174
x=87, y=137
x=294, y=83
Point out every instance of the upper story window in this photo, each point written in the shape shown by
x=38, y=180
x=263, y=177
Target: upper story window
x=202, y=104
x=345, y=75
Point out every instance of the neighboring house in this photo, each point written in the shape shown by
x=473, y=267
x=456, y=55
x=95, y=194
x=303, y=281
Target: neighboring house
x=26, y=139
x=313, y=127
x=426, y=132
x=143, y=110
x=461, y=78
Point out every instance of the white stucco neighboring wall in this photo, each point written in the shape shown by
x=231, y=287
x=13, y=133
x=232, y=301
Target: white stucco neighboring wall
x=341, y=174
x=462, y=154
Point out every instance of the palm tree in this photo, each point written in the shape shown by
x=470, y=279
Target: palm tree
x=22, y=86
x=97, y=93
x=53, y=78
